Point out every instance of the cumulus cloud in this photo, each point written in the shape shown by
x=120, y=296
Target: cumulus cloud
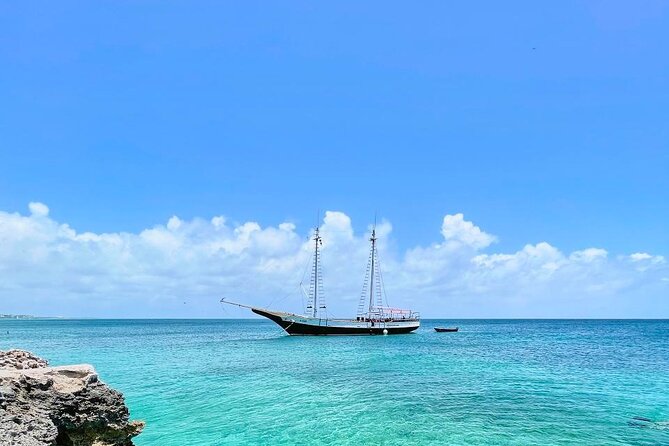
x=38, y=209
x=457, y=230
x=183, y=267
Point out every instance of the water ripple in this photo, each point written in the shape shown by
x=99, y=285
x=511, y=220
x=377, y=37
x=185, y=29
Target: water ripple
x=493, y=383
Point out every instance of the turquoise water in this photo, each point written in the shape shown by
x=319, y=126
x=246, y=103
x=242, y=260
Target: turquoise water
x=242, y=382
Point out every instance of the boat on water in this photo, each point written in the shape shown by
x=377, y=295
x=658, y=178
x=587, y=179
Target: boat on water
x=373, y=318
x=445, y=329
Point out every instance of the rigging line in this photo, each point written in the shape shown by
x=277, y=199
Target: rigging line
x=265, y=268
x=224, y=310
x=365, y=285
x=262, y=271
x=275, y=300
x=306, y=267
x=302, y=298
x=380, y=278
x=299, y=286
x=383, y=284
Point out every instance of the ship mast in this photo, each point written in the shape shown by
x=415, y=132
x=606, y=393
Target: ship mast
x=371, y=279
x=372, y=287
x=316, y=282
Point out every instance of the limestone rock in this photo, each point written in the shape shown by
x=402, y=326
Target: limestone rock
x=20, y=359
x=54, y=406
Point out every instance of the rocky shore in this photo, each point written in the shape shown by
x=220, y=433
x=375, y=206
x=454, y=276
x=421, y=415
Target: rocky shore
x=54, y=406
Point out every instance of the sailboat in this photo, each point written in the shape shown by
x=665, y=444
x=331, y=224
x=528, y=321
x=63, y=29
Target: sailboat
x=373, y=318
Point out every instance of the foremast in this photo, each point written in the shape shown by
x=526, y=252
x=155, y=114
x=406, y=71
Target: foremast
x=316, y=298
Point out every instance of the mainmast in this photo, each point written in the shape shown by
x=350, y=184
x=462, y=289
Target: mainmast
x=371, y=279
x=372, y=288
x=317, y=240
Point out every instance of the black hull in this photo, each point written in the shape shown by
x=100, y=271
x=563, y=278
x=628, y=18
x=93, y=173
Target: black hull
x=297, y=329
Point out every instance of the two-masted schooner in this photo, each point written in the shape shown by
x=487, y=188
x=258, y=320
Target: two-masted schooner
x=373, y=318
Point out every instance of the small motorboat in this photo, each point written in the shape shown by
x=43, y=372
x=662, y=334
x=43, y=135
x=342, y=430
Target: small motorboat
x=445, y=329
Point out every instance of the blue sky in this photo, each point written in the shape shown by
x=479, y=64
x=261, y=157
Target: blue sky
x=540, y=122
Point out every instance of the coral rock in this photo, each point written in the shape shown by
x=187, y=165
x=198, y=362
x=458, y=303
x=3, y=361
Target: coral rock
x=67, y=405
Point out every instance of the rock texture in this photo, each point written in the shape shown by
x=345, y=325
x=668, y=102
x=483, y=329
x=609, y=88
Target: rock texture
x=68, y=405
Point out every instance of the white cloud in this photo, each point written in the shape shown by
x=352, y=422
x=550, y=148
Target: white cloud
x=589, y=255
x=183, y=267
x=643, y=256
x=38, y=209
x=643, y=261
x=218, y=221
x=456, y=229
x=639, y=256
x=541, y=256
x=174, y=223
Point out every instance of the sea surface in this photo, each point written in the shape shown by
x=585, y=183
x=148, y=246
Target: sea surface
x=496, y=382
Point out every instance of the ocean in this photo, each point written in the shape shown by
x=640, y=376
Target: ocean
x=495, y=382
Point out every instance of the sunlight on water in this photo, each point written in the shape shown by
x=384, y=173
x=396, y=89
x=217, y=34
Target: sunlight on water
x=495, y=382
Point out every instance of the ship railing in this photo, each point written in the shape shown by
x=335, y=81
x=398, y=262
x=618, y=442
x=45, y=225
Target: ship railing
x=386, y=314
